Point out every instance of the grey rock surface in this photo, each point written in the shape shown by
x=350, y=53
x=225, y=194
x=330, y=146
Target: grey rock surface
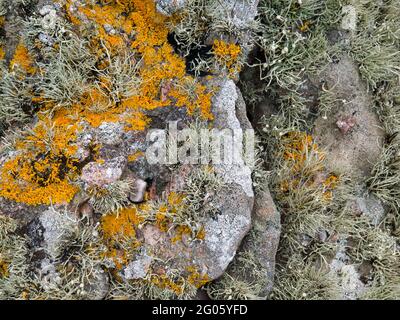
x=100, y=174
x=353, y=152
x=262, y=245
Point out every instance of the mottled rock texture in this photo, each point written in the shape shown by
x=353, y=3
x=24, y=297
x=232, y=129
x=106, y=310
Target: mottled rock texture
x=352, y=152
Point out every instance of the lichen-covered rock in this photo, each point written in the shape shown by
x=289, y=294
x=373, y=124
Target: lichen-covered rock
x=355, y=151
x=349, y=21
x=223, y=232
x=57, y=227
x=145, y=223
x=254, y=264
x=227, y=106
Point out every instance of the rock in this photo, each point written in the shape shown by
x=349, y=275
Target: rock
x=101, y=174
x=349, y=278
x=57, y=227
x=225, y=230
x=351, y=283
x=169, y=7
x=50, y=17
x=227, y=106
x=346, y=124
x=370, y=206
x=355, y=147
x=349, y=20
x=139, y=267
x=267, y=226
x=110, y=133
x=262, y=243
x=240, y=15
x=225, y=233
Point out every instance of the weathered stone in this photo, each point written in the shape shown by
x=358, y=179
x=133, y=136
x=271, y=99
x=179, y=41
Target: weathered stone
x=100, y=174
x=56, y=228
x=226, y=109
x=226, y=229
x=356, y=152
x=169, y=7
x=349, y=20
x=349, y=278
x=139, y=267
x=110, y=133
x=262, y=244
x=370, y=206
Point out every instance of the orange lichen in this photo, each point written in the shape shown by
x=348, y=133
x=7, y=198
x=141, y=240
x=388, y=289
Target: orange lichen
x=136, y=121
x=180, y=232
x=2, y=53
x=330, y=184
x=163, y=221
x=22, y=60
x=3, y=269
x=44, y=166
x=43, y=172
x=227, y=55
x=135, y=156
x=197, y=279
x=299, y=152
x=297, y=147
x=177, y=285
x=163, y=282
x=141, y=20
x=119, y=233
x=201, y=234
x=122, y=224
x=175, y=199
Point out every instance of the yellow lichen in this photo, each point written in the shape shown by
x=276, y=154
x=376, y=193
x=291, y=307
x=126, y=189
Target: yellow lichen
x=160, y=64
x=2, y=53
x=197, y=279
x=135, y=156
x=22, y=60
x=307, y=169
x=297, y=146
x=42, y=171
x=177, y=286
x=163, y=282
x=3, y=269
x=119, y=234
x=122, y=224
x=180, y=232
x=227, y=55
